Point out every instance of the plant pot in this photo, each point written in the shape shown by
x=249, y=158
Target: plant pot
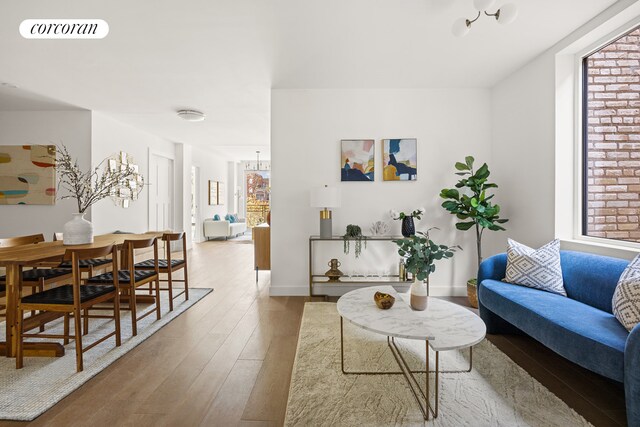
x=78, y=231
x=472, y=292
x=408, y=227
x=419, y=295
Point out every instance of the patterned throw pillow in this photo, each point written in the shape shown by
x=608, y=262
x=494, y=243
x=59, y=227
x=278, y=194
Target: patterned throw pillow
x=535, y=268
x=626, y=298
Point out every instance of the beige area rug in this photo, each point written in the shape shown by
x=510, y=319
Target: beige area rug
x=496, y=393
x=44, y=381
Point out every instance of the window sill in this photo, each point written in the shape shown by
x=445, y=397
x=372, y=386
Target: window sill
x=600, y=248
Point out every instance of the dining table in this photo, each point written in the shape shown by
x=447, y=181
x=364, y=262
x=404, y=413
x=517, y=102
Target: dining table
x=15, y=258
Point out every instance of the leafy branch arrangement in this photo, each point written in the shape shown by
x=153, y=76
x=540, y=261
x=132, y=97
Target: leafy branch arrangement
x=89, y=187
x=421, y=253
x=354, y=232
x=417, y=214
x=471, y=204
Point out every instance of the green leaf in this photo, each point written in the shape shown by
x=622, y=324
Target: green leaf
x=469, y=161
x=464, y=226
x=461, y=166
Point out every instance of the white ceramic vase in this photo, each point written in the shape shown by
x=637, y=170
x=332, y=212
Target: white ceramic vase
x=78, y=231
x=419, y=295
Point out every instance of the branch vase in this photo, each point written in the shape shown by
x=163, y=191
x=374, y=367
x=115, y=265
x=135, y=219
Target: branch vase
x=78, y=231
x=408, y=227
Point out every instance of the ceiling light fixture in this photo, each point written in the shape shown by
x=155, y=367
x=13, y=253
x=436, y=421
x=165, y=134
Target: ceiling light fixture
x=257, y=166
x=506, y=14
x=191, y=115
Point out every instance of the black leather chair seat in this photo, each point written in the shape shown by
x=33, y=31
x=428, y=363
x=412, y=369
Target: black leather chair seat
x=162, y=263
x=64, y=294
x=3, y=289
x=37, y=273
x=85, y=263
x=123, y=276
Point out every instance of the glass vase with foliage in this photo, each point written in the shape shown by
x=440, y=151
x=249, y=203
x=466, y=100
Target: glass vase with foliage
x=471, y=202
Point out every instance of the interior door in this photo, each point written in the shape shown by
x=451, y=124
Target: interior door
x=160, y=193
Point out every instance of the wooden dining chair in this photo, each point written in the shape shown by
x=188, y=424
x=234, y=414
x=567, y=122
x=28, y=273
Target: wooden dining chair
x=88, y=266
x=130, y=279
x=169, y=266
x=72, y=300
x=36, y=278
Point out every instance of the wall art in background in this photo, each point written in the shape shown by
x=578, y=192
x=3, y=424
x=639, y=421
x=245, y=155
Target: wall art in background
x=27, y=175
x=357, y=160
x=400, y=159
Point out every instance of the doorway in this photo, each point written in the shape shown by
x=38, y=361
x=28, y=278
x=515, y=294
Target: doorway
x=195, y=204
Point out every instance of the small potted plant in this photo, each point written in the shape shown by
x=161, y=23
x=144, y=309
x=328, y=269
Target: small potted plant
x=354, y=232
x=420, y=254
x=408, y=225
x=471, y=203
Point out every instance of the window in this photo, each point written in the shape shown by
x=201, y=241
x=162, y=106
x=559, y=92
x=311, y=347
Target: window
x=611, y=138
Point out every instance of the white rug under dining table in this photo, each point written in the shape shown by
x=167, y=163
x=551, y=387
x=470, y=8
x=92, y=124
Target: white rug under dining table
x=44, y=381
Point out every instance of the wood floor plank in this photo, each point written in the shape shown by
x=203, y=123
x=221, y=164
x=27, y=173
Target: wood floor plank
x=226, y=409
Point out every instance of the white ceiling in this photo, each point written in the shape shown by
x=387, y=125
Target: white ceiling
x=224, y=56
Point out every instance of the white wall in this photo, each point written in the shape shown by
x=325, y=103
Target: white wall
x=109, y=137
x=307, y=126
x=213, y=167
x=531, y=125
x=72, y=128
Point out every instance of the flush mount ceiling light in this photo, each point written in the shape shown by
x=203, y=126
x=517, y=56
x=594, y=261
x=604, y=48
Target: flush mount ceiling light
x=191, y=115
x=506, y=14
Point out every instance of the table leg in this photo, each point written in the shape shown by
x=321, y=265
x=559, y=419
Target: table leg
x=13, y=294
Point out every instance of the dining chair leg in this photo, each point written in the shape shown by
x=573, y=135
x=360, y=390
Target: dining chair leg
x=77, y=318
x=40, y=289
x=116, y=318
x=66, y=328
x=158, y=314
x=170, y=287
x=186, y=282
x=85, y=323
x=19, y=353
x=134, y=315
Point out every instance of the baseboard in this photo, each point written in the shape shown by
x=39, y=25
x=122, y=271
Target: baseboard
x=289, y=291
x=302, y=291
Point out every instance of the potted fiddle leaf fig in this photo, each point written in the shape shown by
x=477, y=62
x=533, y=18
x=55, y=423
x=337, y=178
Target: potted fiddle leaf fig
x=472, y=204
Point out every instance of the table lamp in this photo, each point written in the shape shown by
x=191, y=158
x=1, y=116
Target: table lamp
x=325, y=197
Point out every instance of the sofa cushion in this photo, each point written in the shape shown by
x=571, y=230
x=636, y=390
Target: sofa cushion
x=535, y=268
x=626, y=298
x=591, y=278
x=590, y=337
x=216, y=217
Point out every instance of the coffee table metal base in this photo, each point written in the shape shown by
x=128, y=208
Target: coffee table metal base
x=421, y=395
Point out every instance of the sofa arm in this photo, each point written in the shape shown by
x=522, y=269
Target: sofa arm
x=494, y=267
x=632, y=376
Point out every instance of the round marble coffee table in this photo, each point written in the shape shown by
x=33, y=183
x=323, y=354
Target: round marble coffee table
x=442, y=326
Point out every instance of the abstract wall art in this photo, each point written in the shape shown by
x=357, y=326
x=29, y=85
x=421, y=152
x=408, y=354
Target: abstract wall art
x=400, y=159
x=357, y=160
x=27, y=174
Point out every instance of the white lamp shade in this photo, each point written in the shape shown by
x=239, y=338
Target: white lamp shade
x=483, y=5
x=325, y=197
x=508, y=13
x=460, y=28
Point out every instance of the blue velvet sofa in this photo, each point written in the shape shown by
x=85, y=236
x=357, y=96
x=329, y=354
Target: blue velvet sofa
x=579, y=327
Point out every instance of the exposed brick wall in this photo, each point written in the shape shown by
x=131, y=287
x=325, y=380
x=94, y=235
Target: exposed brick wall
x=613, y=145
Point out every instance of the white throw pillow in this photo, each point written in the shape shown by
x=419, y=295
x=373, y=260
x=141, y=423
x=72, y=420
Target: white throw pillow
x=626, y=298
x=535, y=268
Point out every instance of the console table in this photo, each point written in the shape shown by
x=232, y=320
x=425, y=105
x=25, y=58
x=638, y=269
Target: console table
x=347, y=283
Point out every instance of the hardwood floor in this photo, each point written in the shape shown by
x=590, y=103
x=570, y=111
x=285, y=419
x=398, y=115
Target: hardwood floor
x=227, y=361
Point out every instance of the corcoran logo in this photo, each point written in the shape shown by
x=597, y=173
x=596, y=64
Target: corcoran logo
x=64, y=29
